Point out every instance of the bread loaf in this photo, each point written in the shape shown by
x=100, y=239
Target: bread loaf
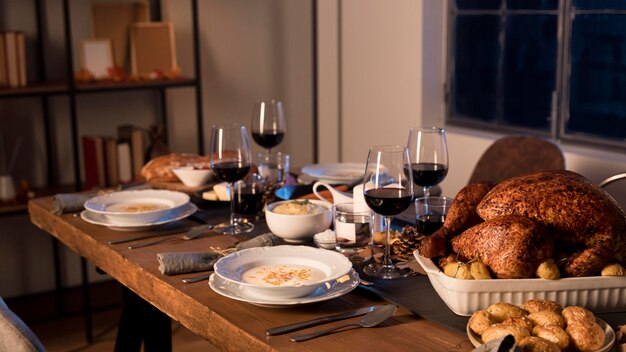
x=160, y=168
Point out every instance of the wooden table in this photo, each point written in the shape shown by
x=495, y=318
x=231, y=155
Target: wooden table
x=229, y=324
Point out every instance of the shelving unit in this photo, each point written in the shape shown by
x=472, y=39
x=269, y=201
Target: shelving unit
x=43, y=89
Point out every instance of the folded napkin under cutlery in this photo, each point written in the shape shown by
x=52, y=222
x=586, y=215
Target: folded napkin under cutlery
x=63, y=203
x=179, y=263
x=172, y=263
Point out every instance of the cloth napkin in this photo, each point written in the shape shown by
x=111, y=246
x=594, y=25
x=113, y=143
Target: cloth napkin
x=502, y=344
x=63, y=203
x=172, y=263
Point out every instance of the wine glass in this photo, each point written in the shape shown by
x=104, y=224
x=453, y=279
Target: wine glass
x=268, y=123
x=388, y=191
x=230, y=161
x=428, y=153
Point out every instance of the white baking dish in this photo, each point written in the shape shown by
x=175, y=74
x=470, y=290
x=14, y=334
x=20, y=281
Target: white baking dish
x=597, y=293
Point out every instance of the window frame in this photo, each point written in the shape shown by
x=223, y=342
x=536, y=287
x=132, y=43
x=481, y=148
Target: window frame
x=560, y=100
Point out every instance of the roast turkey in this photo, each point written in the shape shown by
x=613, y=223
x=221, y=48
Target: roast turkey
x=587, y=225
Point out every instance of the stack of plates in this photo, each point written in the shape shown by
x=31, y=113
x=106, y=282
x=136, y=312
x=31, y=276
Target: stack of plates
x=137, y=210
x=333, y=173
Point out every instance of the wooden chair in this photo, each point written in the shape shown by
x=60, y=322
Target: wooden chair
x=517, y=155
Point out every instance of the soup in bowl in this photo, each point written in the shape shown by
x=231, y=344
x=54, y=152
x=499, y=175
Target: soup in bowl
x=282, y=272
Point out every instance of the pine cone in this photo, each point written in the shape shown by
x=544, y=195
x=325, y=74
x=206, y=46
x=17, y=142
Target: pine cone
x=406, y=243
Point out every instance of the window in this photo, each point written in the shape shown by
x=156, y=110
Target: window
x=553, y=67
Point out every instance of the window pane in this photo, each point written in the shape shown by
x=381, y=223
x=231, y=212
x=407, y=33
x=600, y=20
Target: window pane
x=476, y=67
x=532, y=4
x=478, y=4
x=598, y=78
x=529, y=70
x=599, y=4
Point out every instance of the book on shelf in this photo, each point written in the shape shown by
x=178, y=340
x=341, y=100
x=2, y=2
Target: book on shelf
x=136, y=137
x=4, y=80
x=124, y=162
x=13, y=59
x=111, y=161
x=93, y=162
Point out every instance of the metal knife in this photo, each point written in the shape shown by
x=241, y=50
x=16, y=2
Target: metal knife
x=305, y=324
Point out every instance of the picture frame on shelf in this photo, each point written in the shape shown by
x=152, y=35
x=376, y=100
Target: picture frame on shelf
x=97, y=57
x=153, y=49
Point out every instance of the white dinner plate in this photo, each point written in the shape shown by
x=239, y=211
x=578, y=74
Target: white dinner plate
x=609, y=336
x=335, y=172
x=328, y=291
x=99, y=219
x=137, y=206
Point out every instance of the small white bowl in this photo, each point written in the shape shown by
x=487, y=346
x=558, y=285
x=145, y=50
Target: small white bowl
x=137, y=207
x=298, y=228
x=332, y=265
x=191, y=176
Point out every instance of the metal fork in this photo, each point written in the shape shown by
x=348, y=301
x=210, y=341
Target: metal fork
x=190, y=235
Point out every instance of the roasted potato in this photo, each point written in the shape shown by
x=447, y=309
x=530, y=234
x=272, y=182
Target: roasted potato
x=613, y=270
x=479, y=271
x=458, y=270
x=548, y=270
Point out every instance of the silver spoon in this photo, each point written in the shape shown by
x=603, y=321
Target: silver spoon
x=370, y=319
x=190, y=235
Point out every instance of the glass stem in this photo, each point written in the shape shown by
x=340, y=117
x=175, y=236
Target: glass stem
x=232, y=204
x=426, y=192
x=387, y=256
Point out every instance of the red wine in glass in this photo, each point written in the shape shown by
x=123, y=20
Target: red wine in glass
x=230, y=161
x=428, y=152
x=268, y=123
x=388, y=191
x=388, y=201
x=429, y=223
x=230, y=171
x=428, y=174
x=268, y=140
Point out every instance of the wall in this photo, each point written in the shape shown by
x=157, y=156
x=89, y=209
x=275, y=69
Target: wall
x=393, y=68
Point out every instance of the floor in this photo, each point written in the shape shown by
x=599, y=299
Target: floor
x=66, y=332
x=68, y=335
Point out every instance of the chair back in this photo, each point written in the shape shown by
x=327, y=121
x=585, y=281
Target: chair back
x=517, y=155
x=15, y=335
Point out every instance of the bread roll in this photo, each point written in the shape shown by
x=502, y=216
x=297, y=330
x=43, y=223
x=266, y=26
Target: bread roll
x=537, y=344
x=585, y=336
x=553, y=333
x=498, y=330
x=502, y=311
x=480, y=321
x=536, y=305
x=546, y=317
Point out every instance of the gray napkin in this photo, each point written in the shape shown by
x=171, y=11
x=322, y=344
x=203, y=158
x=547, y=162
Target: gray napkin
x=69, y=202
x=187, y=262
